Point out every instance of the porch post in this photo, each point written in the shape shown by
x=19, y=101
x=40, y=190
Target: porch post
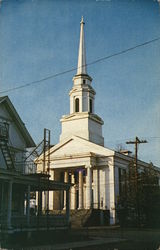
x=39, y=202
x=2, y=199
x=21, y=202
x=89, y=188
x=28, y=205
x=9, y=212
x=80, y=189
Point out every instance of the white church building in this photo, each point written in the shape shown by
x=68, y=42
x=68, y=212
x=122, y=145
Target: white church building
x=80, y=156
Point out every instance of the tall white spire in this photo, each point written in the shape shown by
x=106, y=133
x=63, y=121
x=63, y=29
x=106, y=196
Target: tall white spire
x=82, y=68
x=82, y=120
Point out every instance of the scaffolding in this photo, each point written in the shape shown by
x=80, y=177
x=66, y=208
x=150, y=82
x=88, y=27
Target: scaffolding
x=43, y=148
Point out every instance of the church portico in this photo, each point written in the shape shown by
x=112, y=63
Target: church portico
x=88, y=176
x=79, y=173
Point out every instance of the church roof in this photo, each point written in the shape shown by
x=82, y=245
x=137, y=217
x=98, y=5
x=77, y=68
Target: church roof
x=77, y=145
x=19, y=123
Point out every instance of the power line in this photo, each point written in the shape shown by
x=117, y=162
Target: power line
x=73, y=69
x=123, y=140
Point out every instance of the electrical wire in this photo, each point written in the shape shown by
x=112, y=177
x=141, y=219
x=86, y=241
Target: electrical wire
x=123, y=140
x=75, y=68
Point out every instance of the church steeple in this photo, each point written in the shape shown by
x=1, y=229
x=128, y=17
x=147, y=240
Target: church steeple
x=82, y=68
x=82, y=94
x=82, y=120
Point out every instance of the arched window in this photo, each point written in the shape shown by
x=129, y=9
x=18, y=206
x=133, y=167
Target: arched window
x=90, y=106
x=77, y=105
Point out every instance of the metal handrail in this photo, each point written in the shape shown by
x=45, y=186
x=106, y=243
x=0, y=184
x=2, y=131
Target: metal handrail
x=30, y=167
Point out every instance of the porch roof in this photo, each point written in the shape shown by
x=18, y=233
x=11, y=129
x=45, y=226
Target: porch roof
x=38, y=182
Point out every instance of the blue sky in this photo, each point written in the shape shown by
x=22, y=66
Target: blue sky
x=39, y=38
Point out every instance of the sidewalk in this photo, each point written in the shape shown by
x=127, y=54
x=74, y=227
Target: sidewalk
x=78, y=244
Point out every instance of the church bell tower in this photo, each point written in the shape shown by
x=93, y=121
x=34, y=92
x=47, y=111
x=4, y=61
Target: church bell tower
x=82, y=121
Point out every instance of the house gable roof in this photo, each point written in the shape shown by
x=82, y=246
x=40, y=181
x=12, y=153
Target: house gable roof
x=19, y=123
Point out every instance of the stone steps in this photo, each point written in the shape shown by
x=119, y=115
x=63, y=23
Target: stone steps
x=79, y=217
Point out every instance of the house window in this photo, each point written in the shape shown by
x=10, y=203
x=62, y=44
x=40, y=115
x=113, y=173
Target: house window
x=90, y=106
x=84, y=81
x=77, y=105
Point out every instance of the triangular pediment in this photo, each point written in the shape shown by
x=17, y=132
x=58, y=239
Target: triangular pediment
x=77, y=145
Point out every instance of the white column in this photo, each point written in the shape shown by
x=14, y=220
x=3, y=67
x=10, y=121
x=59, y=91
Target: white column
x=80, y=189
x=56, y=193
x=66, y=176
x=96, y=188
x=44, y=201
x=28, y=205
x=51, y=193
x=65, y=180
x=73, y=193
x=36, y=202
x=112, y=193
x=9, y=212
x=89, y=188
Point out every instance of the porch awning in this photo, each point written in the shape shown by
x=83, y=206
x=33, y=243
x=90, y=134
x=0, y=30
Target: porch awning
x=38, y=182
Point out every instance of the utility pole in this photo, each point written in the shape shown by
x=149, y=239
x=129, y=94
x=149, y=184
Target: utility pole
x=136, y=143
x=46, y=166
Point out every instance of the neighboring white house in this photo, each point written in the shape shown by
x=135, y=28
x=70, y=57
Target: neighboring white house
x=14, y=137
x=16, y=184
x=80, y=157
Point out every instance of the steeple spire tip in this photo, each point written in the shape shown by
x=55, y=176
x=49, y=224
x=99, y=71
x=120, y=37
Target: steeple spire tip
x=81, y=69
x=82, y=21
